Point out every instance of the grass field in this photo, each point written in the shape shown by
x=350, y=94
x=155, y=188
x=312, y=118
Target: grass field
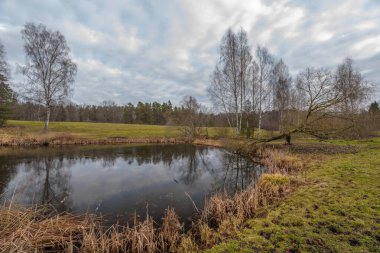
x=22, y=130
x=337, y=209
x=91, y=130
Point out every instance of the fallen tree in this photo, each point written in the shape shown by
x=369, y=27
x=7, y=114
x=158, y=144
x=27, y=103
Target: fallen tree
x=324, y=103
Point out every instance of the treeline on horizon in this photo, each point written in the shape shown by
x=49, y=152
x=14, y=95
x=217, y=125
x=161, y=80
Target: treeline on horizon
x=146, y=113
x=154, y=113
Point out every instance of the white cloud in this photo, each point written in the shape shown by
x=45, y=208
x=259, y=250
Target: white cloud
x=149, y=50
x=367, y=47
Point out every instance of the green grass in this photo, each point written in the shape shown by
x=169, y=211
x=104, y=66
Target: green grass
x=93, y=131
x=337, y=209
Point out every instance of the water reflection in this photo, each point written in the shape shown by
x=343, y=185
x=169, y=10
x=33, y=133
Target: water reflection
x=119, y=181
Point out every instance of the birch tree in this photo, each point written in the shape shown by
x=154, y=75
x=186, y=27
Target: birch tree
x=281, y=82
x=49, y=70
x=265, y=64
x=230, y=80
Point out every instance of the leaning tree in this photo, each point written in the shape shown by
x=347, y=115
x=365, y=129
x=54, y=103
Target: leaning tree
x=322, y=98
x=49, y=70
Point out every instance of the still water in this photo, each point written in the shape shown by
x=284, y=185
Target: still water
x=119, y=181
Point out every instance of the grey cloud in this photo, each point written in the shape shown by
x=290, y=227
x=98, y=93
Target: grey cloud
x=133, y=50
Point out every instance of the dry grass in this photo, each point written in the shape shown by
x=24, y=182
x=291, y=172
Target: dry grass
x=223, y=215
x=32, y=230
x=244, y=204
x=275, y=160
x=69, y=139
x=35, y=230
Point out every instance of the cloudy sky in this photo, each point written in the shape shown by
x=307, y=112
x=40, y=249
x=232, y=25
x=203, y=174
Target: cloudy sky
x=149, y=50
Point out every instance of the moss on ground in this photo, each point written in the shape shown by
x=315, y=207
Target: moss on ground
x=336, y=209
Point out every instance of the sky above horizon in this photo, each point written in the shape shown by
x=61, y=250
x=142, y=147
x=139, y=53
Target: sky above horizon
x=146, y=50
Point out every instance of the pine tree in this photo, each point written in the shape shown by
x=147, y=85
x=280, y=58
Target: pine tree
x=6, y=100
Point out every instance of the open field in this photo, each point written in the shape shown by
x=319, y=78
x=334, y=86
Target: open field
x=90, y=130
x=337, y=209
x=31, y=133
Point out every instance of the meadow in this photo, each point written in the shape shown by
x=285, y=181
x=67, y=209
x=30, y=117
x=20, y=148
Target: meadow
x=90, y=130
x=26, y=133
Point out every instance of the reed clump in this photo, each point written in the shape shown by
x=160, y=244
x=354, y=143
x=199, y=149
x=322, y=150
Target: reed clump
x=31, y=230
x=244, y=204
x=223, y=215
x=278, y=160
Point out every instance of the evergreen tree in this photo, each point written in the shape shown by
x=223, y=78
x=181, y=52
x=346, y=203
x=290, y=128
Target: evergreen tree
x=6, y=100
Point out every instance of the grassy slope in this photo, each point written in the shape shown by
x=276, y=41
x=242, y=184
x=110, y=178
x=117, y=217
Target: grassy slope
x=336, y=210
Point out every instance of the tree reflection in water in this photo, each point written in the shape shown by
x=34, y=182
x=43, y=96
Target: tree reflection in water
x=43, y=180
x=124, y=178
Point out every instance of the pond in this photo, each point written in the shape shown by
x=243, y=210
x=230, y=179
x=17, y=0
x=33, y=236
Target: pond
x=117, y=182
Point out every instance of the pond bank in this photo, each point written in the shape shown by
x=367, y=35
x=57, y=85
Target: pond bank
x=219, y=218
x=67, y=139
x=337, y=209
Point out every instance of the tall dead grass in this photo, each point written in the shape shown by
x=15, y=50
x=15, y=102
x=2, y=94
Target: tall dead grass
x=35, y=230
x=69, y=139
x=31, y=230
x=223, y=215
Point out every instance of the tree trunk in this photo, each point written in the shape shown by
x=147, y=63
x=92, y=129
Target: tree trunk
x=288, y=139
x=259, y=122
x=248, y=129
x=286, y=136
x=47, y=118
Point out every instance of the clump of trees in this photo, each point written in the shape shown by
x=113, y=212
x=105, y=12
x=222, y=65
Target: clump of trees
x=49, y=70
x=7, y=96
x=232, y=78
x=192, y=118
x=319, y=101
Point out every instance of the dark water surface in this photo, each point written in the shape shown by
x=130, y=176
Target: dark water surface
x=117, y=181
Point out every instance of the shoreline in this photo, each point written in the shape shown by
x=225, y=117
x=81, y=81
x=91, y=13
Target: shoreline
x=220, y=210
x=65, y=139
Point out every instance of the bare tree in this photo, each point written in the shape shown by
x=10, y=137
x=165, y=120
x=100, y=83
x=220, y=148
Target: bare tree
x=229, y=83
x=49, y=70
x=281, y=82
x=244, y=62
x=253, y=99
x=265, y=64
x=321, y=100
x=191, y=118
x=350, y=83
